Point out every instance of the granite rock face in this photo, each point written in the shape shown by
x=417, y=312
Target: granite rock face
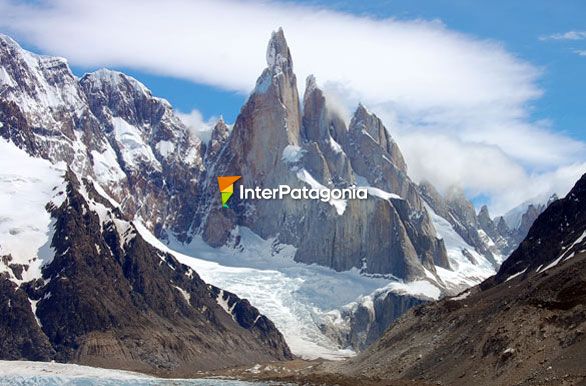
x=273, y=144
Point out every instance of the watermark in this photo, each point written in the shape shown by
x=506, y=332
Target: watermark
x=304, y=193
x=321, y=193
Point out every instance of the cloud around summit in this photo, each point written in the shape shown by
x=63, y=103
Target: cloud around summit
x=458, y=105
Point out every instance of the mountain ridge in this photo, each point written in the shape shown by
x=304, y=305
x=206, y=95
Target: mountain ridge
x=109, y=127
x=525, y=325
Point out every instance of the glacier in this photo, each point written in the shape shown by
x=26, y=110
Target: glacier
x=28, y=373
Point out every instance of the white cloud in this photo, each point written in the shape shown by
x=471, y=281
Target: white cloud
x=431, y=85
x=580, y=52
x=570, y=35
x=197, y=125
x=482, y=169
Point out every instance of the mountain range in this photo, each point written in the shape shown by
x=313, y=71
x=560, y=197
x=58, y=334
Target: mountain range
x=99, y=155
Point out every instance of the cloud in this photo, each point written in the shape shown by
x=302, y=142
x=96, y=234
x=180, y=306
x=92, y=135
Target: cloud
x=431, y=85
x=580, y=52
x=484, y=169
x=197, y=125
x=570, y=35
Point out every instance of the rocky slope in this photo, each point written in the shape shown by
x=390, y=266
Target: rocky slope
x=525, y=325
x=108, y=298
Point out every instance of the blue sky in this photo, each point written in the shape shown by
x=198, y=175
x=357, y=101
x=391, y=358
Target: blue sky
x=485, y=95
x=519, y=25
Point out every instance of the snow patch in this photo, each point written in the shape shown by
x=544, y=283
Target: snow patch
x=27, y=185
x=382, y=194
x=335, y=145
x=224, y=303
x=516, y=275
x=304, y=176
x=464, y=272
x=6, y=79
x=553, y=263
x=165, y=148
x=462, y=296
x=184, y=293
x=34, y=310
x=362, y=182
x=292, y=154
x=134, y=149
x=106, y=167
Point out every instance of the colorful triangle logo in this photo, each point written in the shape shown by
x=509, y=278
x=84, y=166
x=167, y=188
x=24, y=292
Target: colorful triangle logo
x=226, y=184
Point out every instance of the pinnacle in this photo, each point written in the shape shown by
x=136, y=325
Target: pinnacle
x=278, y=54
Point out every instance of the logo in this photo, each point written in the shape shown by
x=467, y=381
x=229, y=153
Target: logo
x=335, y=196
x=226, y=184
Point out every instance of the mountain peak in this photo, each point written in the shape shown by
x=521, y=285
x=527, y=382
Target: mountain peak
x=112, y=78
x=220, y=130
x=7, y=40
x=361, y=110
x=312, y=90
x=278, y=54
x=310, y=84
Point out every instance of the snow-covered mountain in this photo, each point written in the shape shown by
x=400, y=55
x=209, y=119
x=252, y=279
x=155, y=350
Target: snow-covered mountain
x=106, y=126
x=129, y=146
x=97, y=293
x=518, y=220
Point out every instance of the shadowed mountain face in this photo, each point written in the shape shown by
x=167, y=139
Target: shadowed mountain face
x=523, y=326
x=555, y=236
x=110, y=299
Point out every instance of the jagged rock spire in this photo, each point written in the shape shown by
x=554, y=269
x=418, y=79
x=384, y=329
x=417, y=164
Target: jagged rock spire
x=484, y=214
x=278, y=54
x=314, y=106
x=220, y=130
x=364, y=120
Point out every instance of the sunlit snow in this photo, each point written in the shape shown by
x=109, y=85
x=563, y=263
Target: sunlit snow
x=294, y=296
x=53, y=374
x=27, y=184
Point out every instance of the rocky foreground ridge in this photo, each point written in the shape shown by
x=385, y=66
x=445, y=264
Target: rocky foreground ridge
x=525, y=325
